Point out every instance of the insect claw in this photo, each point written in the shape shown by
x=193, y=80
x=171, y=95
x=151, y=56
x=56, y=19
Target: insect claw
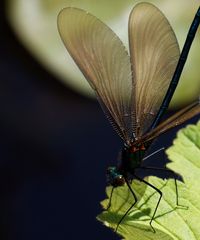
x=153, y=229
x=179, y=206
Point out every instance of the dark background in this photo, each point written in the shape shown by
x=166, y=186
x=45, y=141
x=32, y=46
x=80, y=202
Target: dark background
x=54, y=148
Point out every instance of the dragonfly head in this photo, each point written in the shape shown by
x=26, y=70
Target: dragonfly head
x=115, y=178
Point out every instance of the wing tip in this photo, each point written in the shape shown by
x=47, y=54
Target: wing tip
x=68, y=9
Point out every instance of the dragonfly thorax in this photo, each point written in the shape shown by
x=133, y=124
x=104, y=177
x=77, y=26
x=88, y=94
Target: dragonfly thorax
x=131, y=158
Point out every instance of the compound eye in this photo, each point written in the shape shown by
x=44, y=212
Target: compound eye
x=119, y=181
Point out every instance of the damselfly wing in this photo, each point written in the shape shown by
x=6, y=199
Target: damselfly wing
x=133, y=89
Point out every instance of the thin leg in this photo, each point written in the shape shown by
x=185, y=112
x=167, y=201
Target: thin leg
x=152, y=154
x=110, y=199
x=135, y=200
x=175, y=181
x=158, y=191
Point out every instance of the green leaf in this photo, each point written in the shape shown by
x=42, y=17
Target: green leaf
x=171, y=221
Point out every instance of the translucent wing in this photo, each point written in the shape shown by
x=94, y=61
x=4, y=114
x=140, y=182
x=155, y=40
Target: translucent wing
x=173, y=121
x=105, y=63
x=154, y=55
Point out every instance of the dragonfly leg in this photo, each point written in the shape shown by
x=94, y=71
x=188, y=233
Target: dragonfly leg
x=175, y=182
x=110, y=199
x=155, y=152
x=160, y=197
x=128, y=210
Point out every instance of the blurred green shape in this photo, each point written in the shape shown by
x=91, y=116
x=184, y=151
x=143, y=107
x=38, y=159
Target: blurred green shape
x=34, y=22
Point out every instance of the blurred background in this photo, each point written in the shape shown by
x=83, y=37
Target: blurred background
x=55, y=143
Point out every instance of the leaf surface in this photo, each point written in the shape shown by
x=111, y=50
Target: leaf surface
x=171, y=222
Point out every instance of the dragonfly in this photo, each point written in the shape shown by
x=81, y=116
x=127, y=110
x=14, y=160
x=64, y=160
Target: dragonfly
x=133, y=88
